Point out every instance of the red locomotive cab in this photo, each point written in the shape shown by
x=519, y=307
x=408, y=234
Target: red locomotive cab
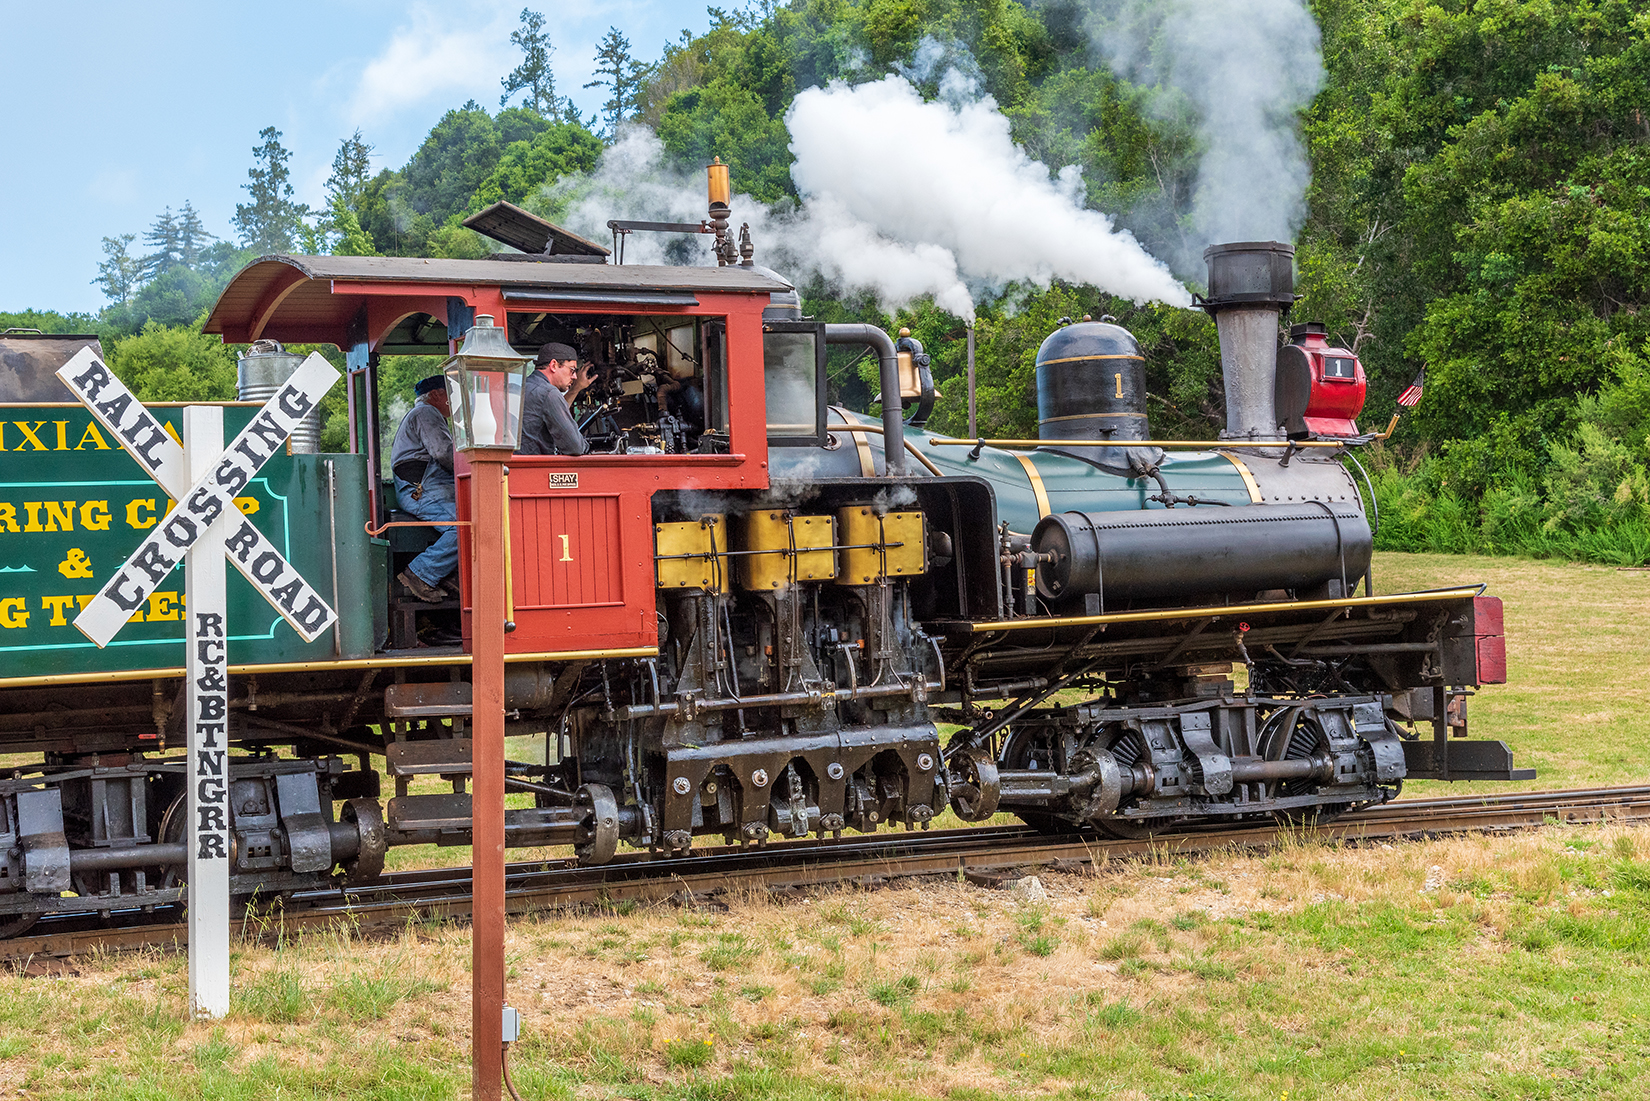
x=1320, y=389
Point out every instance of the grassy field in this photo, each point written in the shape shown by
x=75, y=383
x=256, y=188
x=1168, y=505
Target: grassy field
x=1510, y=967
x=1578, y=655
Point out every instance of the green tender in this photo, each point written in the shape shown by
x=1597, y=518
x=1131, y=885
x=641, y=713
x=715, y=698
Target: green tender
x=73, y=506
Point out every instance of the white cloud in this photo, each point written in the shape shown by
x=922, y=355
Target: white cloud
x=440, y=54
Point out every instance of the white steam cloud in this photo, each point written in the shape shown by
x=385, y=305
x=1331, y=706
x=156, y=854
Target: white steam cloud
x=1247, y=67
x=900, y=196
x=944, y=181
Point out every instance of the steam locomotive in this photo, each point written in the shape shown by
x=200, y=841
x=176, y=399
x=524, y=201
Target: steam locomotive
x=745, y=615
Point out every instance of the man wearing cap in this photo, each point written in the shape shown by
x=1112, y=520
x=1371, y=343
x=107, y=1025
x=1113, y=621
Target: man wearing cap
x=422, y=460
x=547, y=424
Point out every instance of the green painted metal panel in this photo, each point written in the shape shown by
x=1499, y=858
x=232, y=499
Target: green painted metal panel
x=73, y=505
x=1071, y=484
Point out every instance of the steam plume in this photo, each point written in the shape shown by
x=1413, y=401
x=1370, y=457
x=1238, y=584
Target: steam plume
x=901, y=196
x=945, y=177
x=1247, y=67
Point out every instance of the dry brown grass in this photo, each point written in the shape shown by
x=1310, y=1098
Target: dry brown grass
x=1138, y=976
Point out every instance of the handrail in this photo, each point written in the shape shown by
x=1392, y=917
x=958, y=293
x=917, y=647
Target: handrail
x=1199, y=445
x=375, y=532
x=877, y=429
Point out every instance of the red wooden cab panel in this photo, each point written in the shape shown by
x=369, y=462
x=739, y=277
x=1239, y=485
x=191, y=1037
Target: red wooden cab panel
x=566, y=552
x=1490, y=639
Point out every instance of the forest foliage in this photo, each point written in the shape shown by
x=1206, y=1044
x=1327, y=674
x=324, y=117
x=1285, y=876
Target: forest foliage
x=1479, y=207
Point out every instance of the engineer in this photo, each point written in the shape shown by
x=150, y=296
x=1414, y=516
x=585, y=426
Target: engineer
x=422, y=461
x=547, y=424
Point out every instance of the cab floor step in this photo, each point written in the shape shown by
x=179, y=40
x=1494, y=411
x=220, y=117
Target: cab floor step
x=442, y=700
x=438, y=756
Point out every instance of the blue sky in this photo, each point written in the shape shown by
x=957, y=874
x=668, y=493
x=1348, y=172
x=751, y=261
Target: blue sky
x=113, y=111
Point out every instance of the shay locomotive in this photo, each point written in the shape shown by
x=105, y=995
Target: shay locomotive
x=745, y=615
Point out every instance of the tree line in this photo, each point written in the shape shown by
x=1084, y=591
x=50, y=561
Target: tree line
x=1479, y=208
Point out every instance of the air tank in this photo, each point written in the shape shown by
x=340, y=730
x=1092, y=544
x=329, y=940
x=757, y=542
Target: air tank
x=262, y=371
x=1318, y=548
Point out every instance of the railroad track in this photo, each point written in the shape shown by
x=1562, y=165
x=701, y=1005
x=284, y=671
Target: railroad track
x=444, y=893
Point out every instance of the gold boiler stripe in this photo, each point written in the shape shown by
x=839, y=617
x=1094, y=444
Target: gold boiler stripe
x=1248, y=477
x=860, y=443
x=1037, y=486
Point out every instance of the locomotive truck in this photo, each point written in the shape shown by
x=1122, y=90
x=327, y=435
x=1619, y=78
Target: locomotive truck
x=746, y=614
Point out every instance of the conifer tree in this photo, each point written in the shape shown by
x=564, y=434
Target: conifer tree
x=351, y=169
x=534, y=74
x=271, y=222
x=622, y=75
x=162, y=238
x=190, y=235
x=120, y=273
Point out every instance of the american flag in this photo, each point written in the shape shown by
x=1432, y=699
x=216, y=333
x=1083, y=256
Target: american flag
x=1412, y=393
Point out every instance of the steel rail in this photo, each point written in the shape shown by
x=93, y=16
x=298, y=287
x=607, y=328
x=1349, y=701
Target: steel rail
x=442, y=894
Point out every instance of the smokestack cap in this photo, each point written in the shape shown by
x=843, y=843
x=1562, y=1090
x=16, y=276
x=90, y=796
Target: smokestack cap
x=1250, y=274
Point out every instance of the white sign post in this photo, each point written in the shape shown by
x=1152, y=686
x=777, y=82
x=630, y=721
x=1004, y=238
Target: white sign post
x=206, y=674
x=205, y=528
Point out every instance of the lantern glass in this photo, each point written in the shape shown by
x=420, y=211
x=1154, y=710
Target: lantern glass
x=484, y=387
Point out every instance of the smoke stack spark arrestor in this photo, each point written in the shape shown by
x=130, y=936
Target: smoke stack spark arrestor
x=1251, y=283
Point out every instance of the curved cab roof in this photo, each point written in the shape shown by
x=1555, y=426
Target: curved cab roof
x=315, y=299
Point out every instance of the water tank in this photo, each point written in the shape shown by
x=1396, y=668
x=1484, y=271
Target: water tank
x=263, y=370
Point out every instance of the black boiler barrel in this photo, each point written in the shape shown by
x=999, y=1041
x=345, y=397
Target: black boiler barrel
x=1166, y=554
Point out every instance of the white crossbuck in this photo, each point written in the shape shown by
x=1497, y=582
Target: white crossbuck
x=204, y=529
x=202, y=503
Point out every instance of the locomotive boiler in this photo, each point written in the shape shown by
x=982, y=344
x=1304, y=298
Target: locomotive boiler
x=746, y=615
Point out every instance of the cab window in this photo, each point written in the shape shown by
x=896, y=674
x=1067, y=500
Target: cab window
x=793, y=369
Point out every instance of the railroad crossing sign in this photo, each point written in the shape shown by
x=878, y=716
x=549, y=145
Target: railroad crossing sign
x=203, y=477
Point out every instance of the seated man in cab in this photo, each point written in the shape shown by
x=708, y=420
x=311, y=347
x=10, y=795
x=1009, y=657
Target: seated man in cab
x=547, y=424
x=422, y=460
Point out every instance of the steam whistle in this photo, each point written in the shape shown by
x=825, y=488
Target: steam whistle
x=720, y=188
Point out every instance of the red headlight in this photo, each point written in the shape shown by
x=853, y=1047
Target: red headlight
x=1319, y=389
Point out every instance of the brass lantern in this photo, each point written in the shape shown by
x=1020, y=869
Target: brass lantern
x=484, y=386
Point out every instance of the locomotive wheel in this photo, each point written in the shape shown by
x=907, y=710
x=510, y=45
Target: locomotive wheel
x=368, y=819
x=171, y=832
x=1127, y=829
x=17, y=926
x=975, y=797
x=597, y=838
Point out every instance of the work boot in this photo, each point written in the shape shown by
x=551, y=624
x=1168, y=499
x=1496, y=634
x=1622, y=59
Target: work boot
x=429, y=594
x=450, y=583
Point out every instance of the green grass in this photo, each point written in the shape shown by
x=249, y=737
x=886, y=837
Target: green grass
x=730, y=951
x=1578, y=648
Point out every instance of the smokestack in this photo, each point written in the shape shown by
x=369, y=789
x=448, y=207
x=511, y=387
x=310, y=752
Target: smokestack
x=1250, y=284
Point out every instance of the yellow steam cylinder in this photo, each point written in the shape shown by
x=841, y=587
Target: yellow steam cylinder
x=721, y=188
